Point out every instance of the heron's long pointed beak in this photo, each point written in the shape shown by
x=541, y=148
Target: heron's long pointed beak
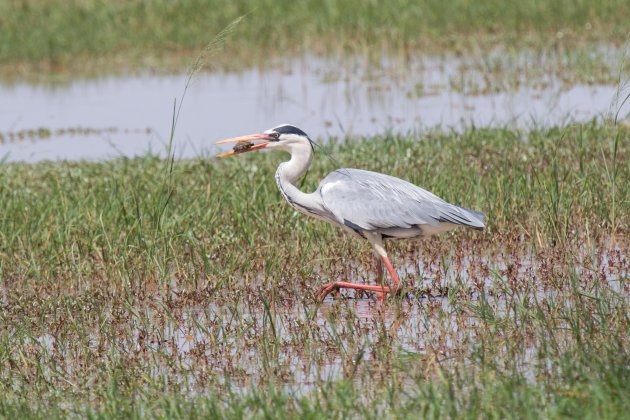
x=245, y=140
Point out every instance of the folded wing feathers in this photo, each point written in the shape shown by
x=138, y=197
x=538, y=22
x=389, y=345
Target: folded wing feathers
x=372, y=201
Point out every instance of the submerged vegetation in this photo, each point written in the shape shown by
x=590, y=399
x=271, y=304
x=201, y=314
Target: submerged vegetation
x=142, y=285
x=90, y=36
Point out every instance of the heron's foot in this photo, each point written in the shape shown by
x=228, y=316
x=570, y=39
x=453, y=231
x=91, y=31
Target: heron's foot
x=395, y=290
x=328, y=288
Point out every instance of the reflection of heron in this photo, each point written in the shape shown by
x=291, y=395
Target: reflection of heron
x=368, y=204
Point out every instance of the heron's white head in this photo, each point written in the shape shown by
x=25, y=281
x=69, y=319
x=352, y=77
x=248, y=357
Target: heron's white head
x=283, y=137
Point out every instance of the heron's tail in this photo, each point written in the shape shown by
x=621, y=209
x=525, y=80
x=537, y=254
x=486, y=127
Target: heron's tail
x=476, y=218
x=462, y=216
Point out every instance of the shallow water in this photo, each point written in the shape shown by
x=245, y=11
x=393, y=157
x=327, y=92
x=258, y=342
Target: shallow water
x=127, y=116
x=244, y=341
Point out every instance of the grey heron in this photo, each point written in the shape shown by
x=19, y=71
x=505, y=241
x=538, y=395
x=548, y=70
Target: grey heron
x=370, y=205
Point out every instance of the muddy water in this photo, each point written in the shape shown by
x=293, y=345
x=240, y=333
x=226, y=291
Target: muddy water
x=127, y=116
x=243, y=342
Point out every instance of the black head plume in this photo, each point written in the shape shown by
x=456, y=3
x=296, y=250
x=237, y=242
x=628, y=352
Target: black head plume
x=289, y=129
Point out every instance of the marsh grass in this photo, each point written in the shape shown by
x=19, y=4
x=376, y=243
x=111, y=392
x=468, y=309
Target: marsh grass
x=90, y=36
x=125, y=294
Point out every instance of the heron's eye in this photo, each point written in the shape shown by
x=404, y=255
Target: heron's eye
x=275, y=135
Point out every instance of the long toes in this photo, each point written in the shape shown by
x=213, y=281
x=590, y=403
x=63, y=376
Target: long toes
x=321, y=296
x=322, y=292
x=325, y=290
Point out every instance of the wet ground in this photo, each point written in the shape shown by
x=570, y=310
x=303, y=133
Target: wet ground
x=194, y=338
x=127, y=116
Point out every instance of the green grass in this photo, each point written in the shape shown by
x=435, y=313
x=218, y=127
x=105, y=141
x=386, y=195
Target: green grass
x=147, y=287
x=90, y=36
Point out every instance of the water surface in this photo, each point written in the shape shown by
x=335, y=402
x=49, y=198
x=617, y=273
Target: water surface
x=127, y=116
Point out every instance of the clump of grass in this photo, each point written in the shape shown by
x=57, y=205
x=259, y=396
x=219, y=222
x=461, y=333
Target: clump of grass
x=122, y=294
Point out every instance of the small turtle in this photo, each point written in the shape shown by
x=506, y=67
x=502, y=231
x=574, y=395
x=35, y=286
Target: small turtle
x=242, y=146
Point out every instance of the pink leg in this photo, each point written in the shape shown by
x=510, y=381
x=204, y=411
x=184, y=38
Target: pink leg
x=379, y=289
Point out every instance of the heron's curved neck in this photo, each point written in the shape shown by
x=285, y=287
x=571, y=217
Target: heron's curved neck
x=290, y=172
x=296, y=167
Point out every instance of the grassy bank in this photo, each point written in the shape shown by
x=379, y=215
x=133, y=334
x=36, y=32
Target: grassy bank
x=93, y=36
x=147, y=286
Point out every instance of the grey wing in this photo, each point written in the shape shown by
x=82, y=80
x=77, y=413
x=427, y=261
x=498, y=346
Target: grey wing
x=372, y=201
